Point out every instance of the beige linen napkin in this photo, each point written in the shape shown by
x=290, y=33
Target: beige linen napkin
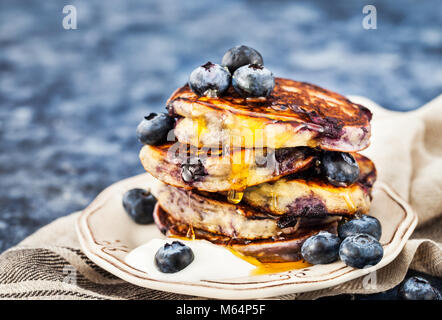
x=407, y=151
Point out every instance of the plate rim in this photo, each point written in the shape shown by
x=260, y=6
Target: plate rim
x=232, y=290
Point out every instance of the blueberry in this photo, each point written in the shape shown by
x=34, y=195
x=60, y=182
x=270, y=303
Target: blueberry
x=154, y=128
x=340, y=168
x=321, y=248
x=416, y=288
x=192, y=170
x=253, y=80
x=173, y=257
x=139, y=204
x=240, y=56
x=210, y=80
x=360, y=250
x=366, y=224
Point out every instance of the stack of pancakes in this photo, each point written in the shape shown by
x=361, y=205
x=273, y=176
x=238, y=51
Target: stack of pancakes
x=243, y=172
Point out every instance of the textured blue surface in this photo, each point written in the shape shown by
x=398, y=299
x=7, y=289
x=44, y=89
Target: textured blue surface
x=70, y=100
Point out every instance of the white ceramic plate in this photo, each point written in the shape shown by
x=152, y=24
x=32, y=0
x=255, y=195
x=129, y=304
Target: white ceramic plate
x=107, y=234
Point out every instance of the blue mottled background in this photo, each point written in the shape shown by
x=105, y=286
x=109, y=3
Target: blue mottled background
x=70, y=100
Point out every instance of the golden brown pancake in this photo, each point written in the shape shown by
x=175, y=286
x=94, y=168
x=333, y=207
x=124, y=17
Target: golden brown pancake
x=284, y=248
x=295, y=114
x=212, y=214
x=236, y=170
x=301, y=195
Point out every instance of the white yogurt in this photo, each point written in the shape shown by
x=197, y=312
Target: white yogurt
x=210, y=262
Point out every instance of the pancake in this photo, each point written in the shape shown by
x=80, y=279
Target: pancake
x=285, y=248
x=213, y=215
x=233, y=170
x=295, y=114
x=305, y=195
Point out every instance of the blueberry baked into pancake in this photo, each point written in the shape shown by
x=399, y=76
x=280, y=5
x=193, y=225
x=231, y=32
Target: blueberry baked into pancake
x=261, y=164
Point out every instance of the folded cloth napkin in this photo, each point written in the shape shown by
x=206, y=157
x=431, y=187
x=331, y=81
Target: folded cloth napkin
x=407, y=151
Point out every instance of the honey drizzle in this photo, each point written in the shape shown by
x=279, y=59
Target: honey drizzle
x=343, y=192
x=346, y=195
x=274, y=203
x=270, y=267
x=238, y=174
x=234, y=196
x=190, y=233
x=200, y=127
x=277, y=267
x=348, y=200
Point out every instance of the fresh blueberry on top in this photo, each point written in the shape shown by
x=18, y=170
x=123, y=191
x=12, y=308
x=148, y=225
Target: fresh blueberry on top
x=240, y=56
x=210, y=80
x=340, y=168
x=253, y=80
x=154, y=128
x=139, y=204
x=360, y=251
x=173, y=257
x=417, y=288
x=365, y=224
x=321, y=248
